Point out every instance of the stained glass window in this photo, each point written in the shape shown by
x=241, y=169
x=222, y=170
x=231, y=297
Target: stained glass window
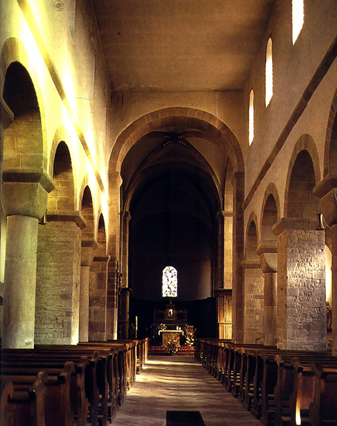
x=170, y=282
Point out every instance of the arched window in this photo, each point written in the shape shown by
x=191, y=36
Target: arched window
x=269, y=72
x=297, y=17
x=251, y=116
x=170, y=282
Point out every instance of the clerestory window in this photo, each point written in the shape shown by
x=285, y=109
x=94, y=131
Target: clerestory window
x=170, y=282
x=297, y=17
x=269, y=72
x=251, y=116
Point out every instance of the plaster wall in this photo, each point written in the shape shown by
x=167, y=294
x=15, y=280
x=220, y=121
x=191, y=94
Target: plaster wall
x=290, y=81
x=129, y=106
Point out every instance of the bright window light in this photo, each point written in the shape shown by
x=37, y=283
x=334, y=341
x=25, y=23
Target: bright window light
x=251, y=116
x=170, y=282
x=269, y=72
x=297, y=18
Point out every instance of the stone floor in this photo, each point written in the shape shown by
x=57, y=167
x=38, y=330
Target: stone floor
x=179, y=382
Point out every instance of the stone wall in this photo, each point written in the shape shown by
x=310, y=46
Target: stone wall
x=301, y=290
x=58, y=283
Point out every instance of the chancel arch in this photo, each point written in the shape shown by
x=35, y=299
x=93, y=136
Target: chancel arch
x=170, y=200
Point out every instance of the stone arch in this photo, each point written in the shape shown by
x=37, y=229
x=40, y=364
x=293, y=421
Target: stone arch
x=143, y=173
x=251, y=237
x=63, y=196
x=13, y=51
x=270, y=215
x=101, y=236
x=330, y=150
x=63, y=135
x=23, y=142
x=268, y=261
x=87, y=210
x=253, y=285
x=213, y=128
x=303, y=174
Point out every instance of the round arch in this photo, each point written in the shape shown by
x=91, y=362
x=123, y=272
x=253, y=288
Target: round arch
x=270, y=213
x=305, y=143
x=330, y=148
x=13, y=51
x=85, y=184
x=252, y=238
x=62, y=135
x=213, y=128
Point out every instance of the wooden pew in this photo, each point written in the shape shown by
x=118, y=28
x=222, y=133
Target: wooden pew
x=95, y=377
x=58, y=409
x=323, y=409
x=295, y=384
x=23, y=400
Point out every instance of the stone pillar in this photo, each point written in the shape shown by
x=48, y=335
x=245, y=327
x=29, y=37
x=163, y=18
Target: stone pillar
x=124, y=313
x=219, y=276
x=238, y=281
x=6, y=118
x=326, y=190
x=334, y=289
x=24, y=200
x=268, y=264
x=98, y=299
x=112, y=300
x=58, y=278
x=228, y=250
x=115, y=182
x=253, y=302
x=87, y=257
x=126, y=217
x=301, y=320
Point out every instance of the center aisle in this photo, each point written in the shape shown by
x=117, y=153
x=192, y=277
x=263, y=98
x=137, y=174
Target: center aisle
x=179, y=382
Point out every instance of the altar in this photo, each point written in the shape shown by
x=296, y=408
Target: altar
x=171, y=335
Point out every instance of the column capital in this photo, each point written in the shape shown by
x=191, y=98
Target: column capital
x=102, y=258
x=250, y=264
x=25, y=192
x=87, y=252
x=268, y=258
x=67, y=216
x=293, y=223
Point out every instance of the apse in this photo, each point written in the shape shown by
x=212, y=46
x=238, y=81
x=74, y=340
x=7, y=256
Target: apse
x=171, y=225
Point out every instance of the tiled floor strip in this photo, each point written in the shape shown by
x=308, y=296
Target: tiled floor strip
x=179, y=382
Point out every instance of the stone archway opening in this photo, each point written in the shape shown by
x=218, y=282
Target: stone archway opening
x=62, y=198
x=301, y=202
x=24, y=200
x=268, y=262
x=301, y=295
x=253, y=289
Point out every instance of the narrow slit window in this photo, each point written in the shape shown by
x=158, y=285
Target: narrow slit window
x=251, y=116
x=269, y=72
x=170, y=282
x=297, y=17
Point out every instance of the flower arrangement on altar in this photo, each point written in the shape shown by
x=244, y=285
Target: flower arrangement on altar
x=190, y=335
x=171, y=347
